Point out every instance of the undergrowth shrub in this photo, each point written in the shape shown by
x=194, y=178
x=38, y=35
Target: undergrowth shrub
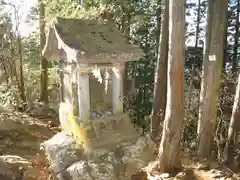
x=10, y=97
x=225, y=104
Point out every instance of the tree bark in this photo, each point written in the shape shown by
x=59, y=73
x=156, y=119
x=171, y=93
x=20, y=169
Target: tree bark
x=21, y=78
x=160, y=89
x=212, y=68
x=172, y=129
x=44, y=62
x=225, y=55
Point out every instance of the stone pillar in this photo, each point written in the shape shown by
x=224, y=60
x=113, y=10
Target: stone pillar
x=83, y=93
x=66, y=78
x=117, y=88
x=61, y=76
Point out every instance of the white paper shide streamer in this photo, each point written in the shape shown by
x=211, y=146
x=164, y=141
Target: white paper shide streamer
x=106, y=80
x=97, y=74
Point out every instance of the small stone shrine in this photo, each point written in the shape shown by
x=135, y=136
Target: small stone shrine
x=91, y=56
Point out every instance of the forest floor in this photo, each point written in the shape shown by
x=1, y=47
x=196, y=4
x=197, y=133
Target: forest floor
x=20, y=139
x=206, y=169
x=21, y=136
x=192, y=169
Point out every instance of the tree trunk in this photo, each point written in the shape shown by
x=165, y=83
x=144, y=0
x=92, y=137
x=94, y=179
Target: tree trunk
x=234, y=125
x=172, y=129
x=44, y=62
x=236, y=37
x=225, y=55
x=193, y=65
x=212, y=68
x=21, y=78
x=21, y=85
x=160, y=90
x=13, y=67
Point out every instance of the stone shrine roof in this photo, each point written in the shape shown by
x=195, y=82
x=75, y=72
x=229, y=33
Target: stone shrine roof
x=90, y=41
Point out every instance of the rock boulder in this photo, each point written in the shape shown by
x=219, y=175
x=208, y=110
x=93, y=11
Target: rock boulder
x=69, y=161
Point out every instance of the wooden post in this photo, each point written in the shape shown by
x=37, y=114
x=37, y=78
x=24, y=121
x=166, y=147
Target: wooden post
x=117, y=88
x=83, y=93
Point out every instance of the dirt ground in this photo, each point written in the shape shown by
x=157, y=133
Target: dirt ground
x=20, y=154
x=206, y=169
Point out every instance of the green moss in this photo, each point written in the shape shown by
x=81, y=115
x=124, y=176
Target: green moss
x=70, y=10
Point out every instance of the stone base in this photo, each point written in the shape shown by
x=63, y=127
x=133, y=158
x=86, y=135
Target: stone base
x=69, y=162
